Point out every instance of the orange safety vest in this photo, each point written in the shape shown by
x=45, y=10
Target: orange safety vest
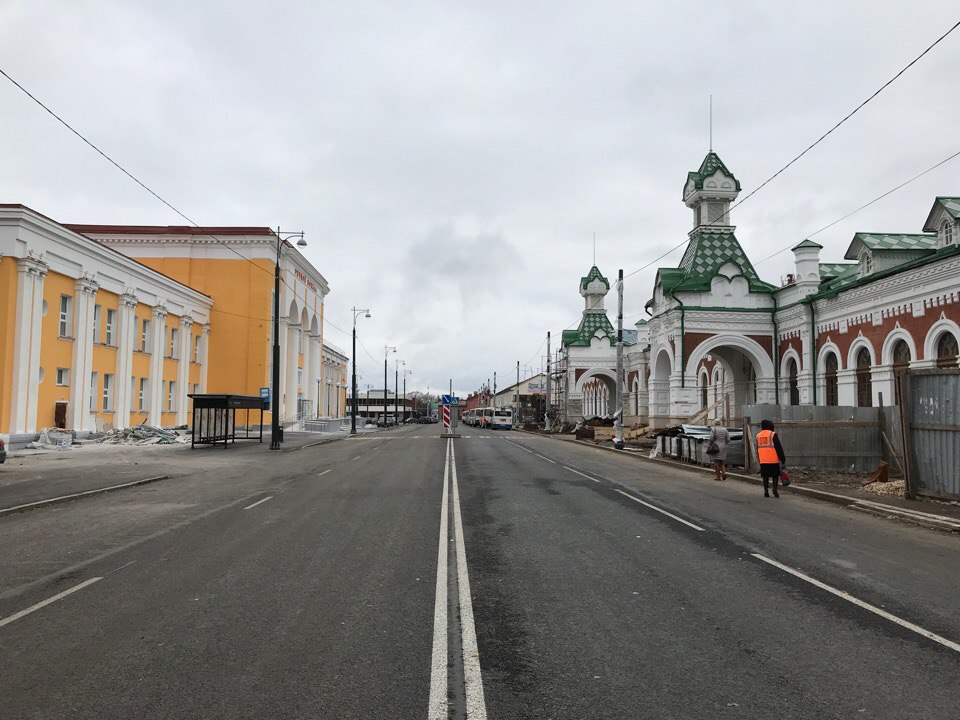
x=766, y=451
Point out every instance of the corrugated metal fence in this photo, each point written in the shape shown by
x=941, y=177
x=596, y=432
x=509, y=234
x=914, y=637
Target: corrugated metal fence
x=931, y=432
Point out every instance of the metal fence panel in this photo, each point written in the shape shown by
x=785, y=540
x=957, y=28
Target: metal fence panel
x=935, y=433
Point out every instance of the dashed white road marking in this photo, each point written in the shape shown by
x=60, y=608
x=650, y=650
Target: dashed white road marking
x=521, y=447
x=860, y=603
x=324, y=472
x=544, y=457
x=661, y=510
x=268, y=497
x=43, y=603
x=565, y=467
x=357, y=457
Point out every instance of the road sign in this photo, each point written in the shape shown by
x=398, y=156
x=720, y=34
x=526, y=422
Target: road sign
x=452, y=400
x=265, y=394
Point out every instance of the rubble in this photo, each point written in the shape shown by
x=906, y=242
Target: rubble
x=143, y=435
x=52, y=440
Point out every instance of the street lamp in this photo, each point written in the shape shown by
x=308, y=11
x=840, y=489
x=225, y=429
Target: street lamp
x=396, y=388
x=353, y=409
x=282, y=239
x=386, y=350
x=405, y=373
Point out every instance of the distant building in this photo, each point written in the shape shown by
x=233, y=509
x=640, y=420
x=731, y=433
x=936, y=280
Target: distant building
x=370, y=405
x=718, y=337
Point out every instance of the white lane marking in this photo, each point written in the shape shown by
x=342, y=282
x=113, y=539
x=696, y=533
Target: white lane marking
x=324, y=472
x=522, y=447
x=268, y=497
x=860, y=603
x=437, y=709
x=544, y=457
x=43, y=603
x=357, y=457
x=661, y=510
x=565, y=467
x=476, y=708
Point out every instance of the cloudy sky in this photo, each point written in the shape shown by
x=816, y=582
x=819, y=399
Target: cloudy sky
x=451, y=161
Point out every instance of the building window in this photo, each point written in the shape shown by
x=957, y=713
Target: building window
x=145, y=337
x=94, y=390
x=172, y=396
x=830, y=377
x=196, y=389
x=107, y=392
x=866, y=264
x=864, y=383
x=144, y=395
x=901, y=362
x=299, y=378
x=947, y=350
x=63, y=376
x=97, y=316
x=66, y=316
x=111, y=324
x=196, y=348
x=173, y=342
x=946, y=232
x=793, y=382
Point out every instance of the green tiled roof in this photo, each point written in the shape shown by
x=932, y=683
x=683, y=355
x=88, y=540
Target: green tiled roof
x=951, y=205
x=889, y=241
x=706, y=254
x=711, y=163
x=808, y=243
x=828, y=271
x=591, y=322
x=594, y=274
x=850, y=277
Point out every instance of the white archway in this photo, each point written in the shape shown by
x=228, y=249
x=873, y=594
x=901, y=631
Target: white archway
x=751, y=348
x=933, y=337
x=829, y=347
x=898, y=333
x=855, y=346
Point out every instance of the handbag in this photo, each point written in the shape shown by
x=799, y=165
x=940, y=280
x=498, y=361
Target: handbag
x=784, y=477
x=714, y=449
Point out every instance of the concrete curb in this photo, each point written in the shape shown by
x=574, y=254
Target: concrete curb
x=76, y=496
x=879, y=509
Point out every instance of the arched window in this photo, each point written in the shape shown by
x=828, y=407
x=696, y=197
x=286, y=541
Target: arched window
x=704, y=401
x=830, y=367
x=947, y=350
x=901, y=362
x=792, y=378
x=946, y=232
x=866, y=263
x=864, y=384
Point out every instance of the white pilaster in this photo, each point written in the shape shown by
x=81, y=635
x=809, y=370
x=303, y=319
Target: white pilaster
x=184, y=351
x=26, y=348
x=846, y=387
x=293, y=352
x=84, y=298
x=157, y=334
x=313, y=371
x=126, y=332
x=204, y=346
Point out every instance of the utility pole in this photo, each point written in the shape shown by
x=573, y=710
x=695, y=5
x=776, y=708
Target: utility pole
x=494, y=388
x=546, y=414
x=618, y=416
x=516, y=413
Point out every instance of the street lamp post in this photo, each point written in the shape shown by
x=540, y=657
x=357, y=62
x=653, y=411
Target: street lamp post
x=275, y=390
x=405, y=373
x=353, y=409
x=396, y=388
x=386, y=349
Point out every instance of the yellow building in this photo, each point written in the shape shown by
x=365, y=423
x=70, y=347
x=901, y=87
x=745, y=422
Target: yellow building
x=112, y=326
x=235, y=267
x=90, y=338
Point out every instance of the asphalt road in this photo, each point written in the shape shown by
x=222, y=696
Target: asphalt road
x=500, y=575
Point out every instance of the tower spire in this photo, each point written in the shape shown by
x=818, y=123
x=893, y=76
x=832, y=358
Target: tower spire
x=711, y=123
x=594, y=248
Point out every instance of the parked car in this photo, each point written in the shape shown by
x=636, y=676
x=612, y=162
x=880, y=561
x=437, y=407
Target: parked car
x=3, y=452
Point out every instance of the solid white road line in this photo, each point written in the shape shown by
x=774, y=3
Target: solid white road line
x=661, y=510
x=44, y=603
x=544, y=457
x=860, y=603
x=268, y=497
x=324, y=472
x=437, y=709
x=565, y=467
x=476, y=708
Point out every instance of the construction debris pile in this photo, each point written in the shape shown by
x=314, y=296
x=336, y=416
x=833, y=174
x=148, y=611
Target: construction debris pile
x=52, y=440
x=143, y=435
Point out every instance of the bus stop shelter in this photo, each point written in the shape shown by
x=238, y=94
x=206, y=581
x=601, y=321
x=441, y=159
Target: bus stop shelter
x=215, y=418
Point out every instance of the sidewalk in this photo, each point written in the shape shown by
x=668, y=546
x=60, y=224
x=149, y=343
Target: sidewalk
x=928, y=513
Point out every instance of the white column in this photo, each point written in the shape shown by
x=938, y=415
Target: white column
x=84, y=298
x=157, y=335
x=26, y=346
x=312, y=371
x=846, y=387
x=183, y=369
x=204, y=354
x=293, y=351
x=126, y=332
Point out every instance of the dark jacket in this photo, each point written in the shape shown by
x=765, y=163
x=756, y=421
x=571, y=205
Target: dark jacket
x=768, y=425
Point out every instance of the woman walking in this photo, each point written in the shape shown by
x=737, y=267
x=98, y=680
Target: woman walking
x=719, y=437
x=771, y=457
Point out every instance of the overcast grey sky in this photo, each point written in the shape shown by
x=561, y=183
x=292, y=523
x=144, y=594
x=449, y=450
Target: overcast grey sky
x=450, y=162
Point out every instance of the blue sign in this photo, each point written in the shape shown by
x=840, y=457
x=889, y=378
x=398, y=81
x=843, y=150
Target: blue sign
x=452, y=400
x=265, y=394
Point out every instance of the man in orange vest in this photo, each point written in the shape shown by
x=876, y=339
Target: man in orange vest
x=771, y=457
